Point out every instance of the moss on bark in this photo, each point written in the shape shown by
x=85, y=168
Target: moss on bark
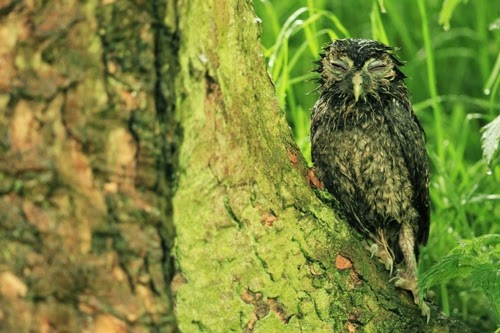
x=256, y=249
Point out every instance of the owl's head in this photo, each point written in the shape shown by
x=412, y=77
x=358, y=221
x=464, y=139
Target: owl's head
x=355, y=69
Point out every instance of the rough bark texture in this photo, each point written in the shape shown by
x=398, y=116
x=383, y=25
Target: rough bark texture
x=117, y=114
x=85, y=216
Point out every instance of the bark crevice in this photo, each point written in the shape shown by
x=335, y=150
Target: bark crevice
x=166, y=49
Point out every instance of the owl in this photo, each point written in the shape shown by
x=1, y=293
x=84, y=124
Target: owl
x=368, y=149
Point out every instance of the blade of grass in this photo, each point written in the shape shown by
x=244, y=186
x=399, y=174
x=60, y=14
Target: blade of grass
x=431, y=77
x=482, y=33
x=492, y=84
x=271, y=14
x=400, y=25
x=310, y=30
x=378, y=31
x=279, y=40
x=298, y=54
x=476, y=102
x=493, y=76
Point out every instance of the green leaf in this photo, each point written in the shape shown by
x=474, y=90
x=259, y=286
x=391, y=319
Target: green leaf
x=476, y=259
x=447, y=12
x=490, y=139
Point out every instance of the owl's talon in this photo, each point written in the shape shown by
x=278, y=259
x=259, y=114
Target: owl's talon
x=398, y=282
x=403, y=282
x=373, y=249
x=406, y=283
x=398, y=273
x=424, y=307
x=389, y=265
x=383, y=256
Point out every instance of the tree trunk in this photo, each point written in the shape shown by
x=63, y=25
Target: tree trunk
x=123, y=119
x=256, y=249
x=86, y=222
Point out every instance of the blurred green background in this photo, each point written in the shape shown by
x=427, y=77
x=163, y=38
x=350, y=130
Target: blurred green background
x=452, y=55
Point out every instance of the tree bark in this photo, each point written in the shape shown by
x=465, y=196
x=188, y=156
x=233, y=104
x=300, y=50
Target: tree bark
x=86, y=223
x=256, y=249
x=123, y=119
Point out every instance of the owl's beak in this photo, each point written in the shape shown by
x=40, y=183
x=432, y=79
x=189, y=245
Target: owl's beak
x=357, y=84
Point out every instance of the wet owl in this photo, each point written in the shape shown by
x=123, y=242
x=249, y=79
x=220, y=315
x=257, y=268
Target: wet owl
x=368, y=149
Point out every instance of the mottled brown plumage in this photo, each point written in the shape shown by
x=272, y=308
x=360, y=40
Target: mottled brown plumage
x=368, y=149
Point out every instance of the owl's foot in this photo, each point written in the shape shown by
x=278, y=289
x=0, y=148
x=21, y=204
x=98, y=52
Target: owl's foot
x=426, y=310
x=383, y=256
x=403, y=281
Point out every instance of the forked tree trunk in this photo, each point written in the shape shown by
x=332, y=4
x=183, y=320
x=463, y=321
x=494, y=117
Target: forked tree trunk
x=123, y=119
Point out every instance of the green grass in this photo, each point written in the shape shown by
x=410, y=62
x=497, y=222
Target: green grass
x=452, y=58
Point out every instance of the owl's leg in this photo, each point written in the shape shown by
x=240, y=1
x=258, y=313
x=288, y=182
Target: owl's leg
x=407, y=278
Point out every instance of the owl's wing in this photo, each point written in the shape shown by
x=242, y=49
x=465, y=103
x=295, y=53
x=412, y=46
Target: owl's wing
x=410, y=134
x=420, y=181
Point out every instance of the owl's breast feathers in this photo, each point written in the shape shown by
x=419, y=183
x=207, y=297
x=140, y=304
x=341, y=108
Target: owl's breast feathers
x=371, y=157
